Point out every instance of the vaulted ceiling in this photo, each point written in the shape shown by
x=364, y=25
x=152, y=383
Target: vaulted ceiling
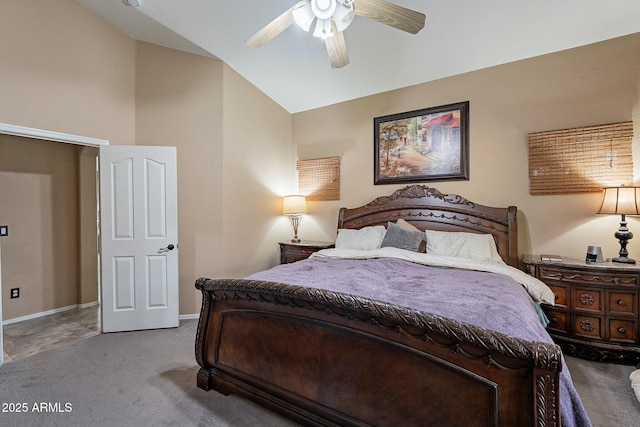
x=293, y=68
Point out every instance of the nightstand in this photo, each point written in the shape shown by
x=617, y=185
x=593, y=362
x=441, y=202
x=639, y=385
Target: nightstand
x=595, y=315
x=292, y=252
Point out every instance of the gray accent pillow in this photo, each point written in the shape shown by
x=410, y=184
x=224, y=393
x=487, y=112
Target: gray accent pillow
x=399, y=237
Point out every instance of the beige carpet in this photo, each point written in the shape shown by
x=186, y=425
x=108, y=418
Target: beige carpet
x=605, y=390
x=145, y=378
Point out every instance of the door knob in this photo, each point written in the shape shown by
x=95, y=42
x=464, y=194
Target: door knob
x=169, y=247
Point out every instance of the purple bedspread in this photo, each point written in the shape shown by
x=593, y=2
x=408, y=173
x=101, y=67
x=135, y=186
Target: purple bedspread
x=489, y=300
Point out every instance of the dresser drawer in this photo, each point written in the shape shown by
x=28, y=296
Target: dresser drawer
x=560, y=295
x=551, y=274
x=588, y=299
x=623, y=331
x=296, y=253
x=623, y=303
x=558, y=322
x=588, y=327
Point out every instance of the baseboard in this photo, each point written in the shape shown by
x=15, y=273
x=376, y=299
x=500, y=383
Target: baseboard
x=88, y=304
x=48, y=312
x=73, y=307
x=189, y=316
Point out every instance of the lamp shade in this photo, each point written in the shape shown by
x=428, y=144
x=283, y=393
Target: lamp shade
x=303, y=15
x=620, y=200
x=294, y=205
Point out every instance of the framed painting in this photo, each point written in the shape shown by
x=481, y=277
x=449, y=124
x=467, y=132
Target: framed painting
x=422, y=145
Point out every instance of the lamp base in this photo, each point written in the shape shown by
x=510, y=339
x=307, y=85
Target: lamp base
x=623, y=235
x=624, y=260
x=295, y=221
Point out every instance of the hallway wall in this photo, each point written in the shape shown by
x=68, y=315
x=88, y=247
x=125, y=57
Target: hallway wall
x=40, y=194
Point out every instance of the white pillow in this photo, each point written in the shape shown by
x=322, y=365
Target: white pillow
x=463, y=245
x=366, y=238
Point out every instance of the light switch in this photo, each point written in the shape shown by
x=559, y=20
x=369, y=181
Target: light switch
x=4, y=230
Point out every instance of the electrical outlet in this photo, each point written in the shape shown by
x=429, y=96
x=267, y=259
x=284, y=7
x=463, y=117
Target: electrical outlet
x=15, y=293
x=4, y=230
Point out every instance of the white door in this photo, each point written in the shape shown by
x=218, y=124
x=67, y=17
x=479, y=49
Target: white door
x=139, y=237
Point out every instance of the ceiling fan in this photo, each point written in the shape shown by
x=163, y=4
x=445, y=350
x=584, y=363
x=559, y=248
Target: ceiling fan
x=333, y=17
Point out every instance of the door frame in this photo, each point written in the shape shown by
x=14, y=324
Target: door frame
x=47, y=135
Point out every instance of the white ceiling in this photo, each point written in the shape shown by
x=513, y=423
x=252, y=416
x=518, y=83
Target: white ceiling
x=293, y=68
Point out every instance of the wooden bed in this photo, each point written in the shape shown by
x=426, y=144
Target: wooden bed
x=328, y=358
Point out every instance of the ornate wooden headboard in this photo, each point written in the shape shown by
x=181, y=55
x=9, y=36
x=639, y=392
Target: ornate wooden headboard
x=429, y=209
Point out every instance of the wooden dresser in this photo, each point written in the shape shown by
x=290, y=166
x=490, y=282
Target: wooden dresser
x=292, y=252
x=595, y=315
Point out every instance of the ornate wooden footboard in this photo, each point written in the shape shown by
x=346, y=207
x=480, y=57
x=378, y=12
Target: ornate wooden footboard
x=326, y=358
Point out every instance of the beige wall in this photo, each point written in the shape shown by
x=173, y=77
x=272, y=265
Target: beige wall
x=258, y=169
x=234, y=159
x=64, y=69
x=590, y=85
x=40, y=202
x=87, y=286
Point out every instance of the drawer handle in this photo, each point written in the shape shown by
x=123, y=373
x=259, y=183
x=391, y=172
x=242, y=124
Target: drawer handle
x=586, y=326
x=554, y=320
x=555, y=296
x=621, y=303
x=587, y=299
x=622, y=330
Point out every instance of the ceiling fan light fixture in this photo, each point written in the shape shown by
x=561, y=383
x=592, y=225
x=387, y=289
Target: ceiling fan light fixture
x=303, y=15
x=323, y=28
x=333, y=17
x=323, y=9
x=343, y=16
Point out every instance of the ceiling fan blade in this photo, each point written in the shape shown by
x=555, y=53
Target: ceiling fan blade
x=337, y=48
x=390, y=14
x=272, y=29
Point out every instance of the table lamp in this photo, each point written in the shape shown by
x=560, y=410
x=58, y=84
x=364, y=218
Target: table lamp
x=294, y=207
x=621, y=201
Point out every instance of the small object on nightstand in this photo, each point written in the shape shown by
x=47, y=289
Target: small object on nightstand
x=594, y=255
x=296, y=251
x=550, y=258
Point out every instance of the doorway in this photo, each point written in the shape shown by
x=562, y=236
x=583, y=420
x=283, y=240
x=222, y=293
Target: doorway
x=68, y=190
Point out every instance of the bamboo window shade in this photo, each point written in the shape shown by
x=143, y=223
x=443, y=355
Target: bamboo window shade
x=580, y=160
x=319, y=179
